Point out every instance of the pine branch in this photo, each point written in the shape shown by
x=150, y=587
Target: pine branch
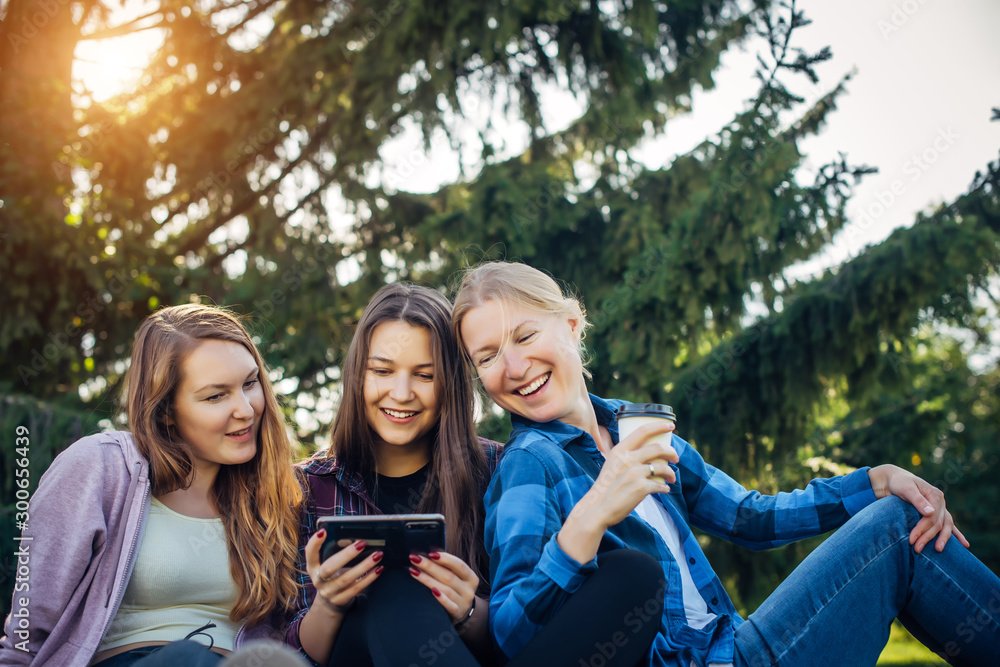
x=200, y=236
x=127, y=28
x=832, y=327
x=259, y=8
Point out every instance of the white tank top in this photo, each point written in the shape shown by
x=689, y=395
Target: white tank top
x=180, y=582
x=695, y=608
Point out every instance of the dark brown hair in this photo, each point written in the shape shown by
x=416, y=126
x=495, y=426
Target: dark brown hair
x=458, y=464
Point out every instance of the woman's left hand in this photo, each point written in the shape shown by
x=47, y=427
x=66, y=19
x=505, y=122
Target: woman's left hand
x=928, y=499
x=450, y=579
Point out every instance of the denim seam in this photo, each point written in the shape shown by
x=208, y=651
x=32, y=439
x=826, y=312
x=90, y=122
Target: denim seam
x=972, y=600
x=834, y=596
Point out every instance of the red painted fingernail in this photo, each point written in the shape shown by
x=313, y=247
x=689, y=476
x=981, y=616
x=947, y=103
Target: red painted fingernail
x=414, y=558
x=321, y=532
x=434, y=555
x=378, y=570
x=377, y=556
x=361, y=545
x=436, y=592
x=415, y=572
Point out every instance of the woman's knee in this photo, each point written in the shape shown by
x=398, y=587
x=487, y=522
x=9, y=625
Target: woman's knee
x=889, y=513
x=878, y=530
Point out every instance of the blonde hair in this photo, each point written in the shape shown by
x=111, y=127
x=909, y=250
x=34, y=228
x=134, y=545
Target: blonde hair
x=513, y=282
x=257, y=500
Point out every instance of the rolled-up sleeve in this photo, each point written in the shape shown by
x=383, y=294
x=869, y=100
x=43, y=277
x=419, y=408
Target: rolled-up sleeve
x=532, y=576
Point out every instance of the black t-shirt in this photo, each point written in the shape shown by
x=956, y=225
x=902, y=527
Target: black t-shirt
x=398, y=495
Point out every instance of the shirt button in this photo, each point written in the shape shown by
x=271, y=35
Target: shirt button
x=691, y=560
x=715, y=601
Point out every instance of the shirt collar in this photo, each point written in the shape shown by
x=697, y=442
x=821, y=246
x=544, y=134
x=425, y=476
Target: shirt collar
x=563, y=434
x=323, y=465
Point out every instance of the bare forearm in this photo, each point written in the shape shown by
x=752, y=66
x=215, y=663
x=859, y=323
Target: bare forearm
x=580, y=535
x=318, y=631
x=879, y=478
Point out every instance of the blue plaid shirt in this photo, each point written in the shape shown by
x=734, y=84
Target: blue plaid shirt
x=546, y=469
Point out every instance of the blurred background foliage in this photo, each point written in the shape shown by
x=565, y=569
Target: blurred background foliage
x=249, y=168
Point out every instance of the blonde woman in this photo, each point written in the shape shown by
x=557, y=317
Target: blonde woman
x=568, y=494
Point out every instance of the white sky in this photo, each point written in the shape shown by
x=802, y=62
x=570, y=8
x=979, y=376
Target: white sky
x=928, y=75
x=918, y=108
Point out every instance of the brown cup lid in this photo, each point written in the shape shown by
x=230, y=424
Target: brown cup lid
x=646, y=410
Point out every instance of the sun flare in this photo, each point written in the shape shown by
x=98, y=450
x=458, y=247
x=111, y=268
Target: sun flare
x=109, y=67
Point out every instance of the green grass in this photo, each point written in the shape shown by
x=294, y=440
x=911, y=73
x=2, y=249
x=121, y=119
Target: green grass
x=903, y=649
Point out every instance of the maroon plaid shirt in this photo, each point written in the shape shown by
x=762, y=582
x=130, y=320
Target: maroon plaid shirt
x=332, y=490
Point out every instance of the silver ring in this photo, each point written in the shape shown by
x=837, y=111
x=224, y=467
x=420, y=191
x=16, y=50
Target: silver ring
x=652, y=470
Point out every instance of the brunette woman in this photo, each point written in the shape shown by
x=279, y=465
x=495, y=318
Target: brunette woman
x=403, y=442
x=173, y=543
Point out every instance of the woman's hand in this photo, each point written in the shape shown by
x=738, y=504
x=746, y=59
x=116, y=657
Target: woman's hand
x=449, y=578
x=336, y=587
x=635, y=468
x=336, y=584
x=928, y=499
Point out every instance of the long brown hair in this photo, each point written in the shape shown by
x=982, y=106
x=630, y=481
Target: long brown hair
x=458, y=464
x=257, y=500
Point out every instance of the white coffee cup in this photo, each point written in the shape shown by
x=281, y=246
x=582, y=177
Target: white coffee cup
x=634, y=415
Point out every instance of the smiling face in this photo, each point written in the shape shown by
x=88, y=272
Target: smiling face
x=528, y=361
x=218, y=405
x=400, y=396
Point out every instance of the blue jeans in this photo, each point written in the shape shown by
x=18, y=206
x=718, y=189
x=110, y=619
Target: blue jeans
x=838, y=604
x=184, y=652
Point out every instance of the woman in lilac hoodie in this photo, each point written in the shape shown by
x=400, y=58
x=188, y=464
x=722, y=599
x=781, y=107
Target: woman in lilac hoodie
x=176, y=542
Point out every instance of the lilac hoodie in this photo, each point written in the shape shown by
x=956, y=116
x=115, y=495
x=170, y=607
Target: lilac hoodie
x=85, y=522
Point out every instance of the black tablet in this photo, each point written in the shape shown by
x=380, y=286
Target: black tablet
x=396, y=535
